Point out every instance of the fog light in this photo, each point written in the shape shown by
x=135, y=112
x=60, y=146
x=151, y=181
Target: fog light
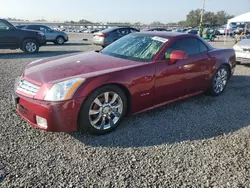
x=41, y=122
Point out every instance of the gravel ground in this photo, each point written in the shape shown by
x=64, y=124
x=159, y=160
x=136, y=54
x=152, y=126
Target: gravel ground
x=198, y=142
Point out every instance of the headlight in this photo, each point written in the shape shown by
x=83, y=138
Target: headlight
x=41, y=33
x=237, y=47
x=63, y=90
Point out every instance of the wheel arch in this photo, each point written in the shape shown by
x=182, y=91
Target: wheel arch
x=119, y=85
x=27, y=38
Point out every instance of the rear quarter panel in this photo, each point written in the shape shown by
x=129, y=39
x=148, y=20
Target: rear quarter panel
x=223, y=56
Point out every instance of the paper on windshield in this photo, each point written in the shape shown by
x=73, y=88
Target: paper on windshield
x=160, y=39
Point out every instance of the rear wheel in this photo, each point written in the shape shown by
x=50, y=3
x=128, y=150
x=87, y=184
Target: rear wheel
x=103, y=110
x=30, y=46
x=219, y=81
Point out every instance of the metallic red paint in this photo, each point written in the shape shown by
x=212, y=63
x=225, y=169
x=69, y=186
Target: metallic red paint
x=60, y=116
x=148, y=84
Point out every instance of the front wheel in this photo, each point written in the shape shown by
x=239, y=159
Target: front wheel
x=60, y=40
x=103, y=110
x=30, y=46
x=219, y=81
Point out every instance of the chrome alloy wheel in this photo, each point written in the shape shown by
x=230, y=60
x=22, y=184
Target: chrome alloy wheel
x=31, y=47
x=105, y=111
x=220, y=80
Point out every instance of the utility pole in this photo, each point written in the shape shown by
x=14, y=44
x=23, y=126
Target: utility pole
x=202, y=14
x=202, y=11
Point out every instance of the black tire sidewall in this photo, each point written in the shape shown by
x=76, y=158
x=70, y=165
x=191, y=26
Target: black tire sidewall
x=83, y=117
x=24, y=46
x=211, y=90
x=61, y=38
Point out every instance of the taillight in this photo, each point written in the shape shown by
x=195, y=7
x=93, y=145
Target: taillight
x=102, y=35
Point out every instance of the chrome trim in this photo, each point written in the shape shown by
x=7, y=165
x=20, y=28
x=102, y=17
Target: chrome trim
x=27, y=87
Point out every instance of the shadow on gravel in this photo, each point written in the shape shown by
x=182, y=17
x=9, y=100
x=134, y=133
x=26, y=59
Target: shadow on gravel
x=68, y=44
x=41, y=54
x=197, y=118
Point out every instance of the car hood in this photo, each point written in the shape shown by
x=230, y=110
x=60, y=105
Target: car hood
x=78, y=65
x=245, y=43
x=60, y=33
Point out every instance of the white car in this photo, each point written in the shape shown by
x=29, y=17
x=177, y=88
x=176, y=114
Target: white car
x=242, y=51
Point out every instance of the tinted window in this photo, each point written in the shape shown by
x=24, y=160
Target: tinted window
x=203, y=47
x=20, y=26
x=44, y=28
x=122, y=32
x=33, y=27
x=188, y=45
x=133, y=30
x=3, y=27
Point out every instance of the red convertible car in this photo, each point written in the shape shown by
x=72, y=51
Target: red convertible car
x=93, y=91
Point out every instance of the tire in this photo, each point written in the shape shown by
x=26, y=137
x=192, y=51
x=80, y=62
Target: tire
x=103, y=116
x=212, y=39
x=60, y=40
x=219, y=81
x=30, y=46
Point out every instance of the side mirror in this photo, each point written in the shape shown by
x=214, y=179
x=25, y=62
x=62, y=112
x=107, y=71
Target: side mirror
x=177, y=55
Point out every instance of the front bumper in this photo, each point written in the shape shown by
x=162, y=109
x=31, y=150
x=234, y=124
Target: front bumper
x=60, y=116
x=242, y=56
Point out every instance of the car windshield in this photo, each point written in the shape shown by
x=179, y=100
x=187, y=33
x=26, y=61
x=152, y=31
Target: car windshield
x=136, y=47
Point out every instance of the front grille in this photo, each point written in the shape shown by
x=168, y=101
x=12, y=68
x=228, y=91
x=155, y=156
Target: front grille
x=28, y=87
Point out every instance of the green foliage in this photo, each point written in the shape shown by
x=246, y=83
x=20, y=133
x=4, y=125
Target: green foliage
x=209, y=18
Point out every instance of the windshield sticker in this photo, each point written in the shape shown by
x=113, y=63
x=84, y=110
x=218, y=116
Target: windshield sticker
x=161, y=39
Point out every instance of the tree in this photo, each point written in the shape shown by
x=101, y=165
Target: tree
x=209, y=18
x=222, y=17
x=193, y=18
x=156, y=23
x=182, y=23
x=82, y=21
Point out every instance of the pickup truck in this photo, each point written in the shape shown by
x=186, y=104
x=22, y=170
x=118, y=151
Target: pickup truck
x=13, y=38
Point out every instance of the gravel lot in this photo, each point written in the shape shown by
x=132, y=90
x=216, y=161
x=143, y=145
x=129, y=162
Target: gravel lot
x=198, y=142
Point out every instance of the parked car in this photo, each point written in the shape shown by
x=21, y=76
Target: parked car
x=88, y=31
x=192, y=31
x=14, y=38
x=108, y=36
x=157, y=29
x=58, y=37
x=242, y=51
x=93, y=91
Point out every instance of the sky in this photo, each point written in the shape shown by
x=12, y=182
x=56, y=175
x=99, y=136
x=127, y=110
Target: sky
x=145, y=11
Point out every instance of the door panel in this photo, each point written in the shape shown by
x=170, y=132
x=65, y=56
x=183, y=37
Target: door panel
x=8, y=36
x=50, y=36
x=9, y=39
x=170, y=82
x=197, y=72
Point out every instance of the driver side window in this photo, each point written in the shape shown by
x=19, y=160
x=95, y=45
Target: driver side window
x=188, y=45
x=44, y=29
x=3, y=27
x=175, y=46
